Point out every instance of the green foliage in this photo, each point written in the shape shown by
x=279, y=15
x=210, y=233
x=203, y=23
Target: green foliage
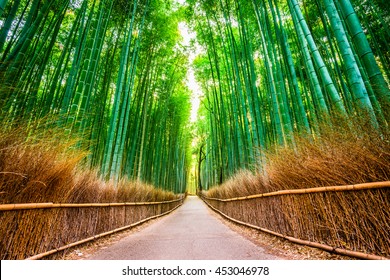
x=275, y=68
x=109, y=73
x=112, y=74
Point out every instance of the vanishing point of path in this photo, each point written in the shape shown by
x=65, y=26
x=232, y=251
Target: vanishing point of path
x=190, y=233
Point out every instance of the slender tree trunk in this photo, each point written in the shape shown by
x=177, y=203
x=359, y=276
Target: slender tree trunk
x=381, y=88
x=354, y=77
x=319, y=63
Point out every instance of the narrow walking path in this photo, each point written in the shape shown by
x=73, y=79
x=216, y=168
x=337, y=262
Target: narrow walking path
x=189, y=233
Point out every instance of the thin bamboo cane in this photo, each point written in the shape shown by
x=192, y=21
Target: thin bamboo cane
x=364, y=186
x=324, y=247
x=25, y=206
x=42, y=255
x=29, y=206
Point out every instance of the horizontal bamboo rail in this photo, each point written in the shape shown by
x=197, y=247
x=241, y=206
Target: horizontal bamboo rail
x=29, y=206
x=364, y=186
x=324, y=247
x=51, y=252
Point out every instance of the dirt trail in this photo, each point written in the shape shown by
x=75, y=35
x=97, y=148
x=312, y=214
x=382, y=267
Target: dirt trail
x=189, y=233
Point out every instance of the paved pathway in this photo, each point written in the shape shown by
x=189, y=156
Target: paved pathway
x=189, y=233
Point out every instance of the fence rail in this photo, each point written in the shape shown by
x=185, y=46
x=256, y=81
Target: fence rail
x=351, y=220
x=364, y=186
x=28, y=206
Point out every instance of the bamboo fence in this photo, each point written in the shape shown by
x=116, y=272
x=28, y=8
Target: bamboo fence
x=37, y=230
x=352, y=220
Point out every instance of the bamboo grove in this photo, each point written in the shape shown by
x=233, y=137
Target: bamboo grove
x=112, y=73
x=275, y=68
x=109, y=72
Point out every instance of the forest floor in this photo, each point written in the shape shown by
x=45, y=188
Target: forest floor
x=195, y=232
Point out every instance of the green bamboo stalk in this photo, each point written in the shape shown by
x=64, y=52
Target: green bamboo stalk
x=366, y=55
x=319, y=63
x=354, y=77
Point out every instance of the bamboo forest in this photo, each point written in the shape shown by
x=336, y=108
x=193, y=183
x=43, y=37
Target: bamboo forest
x=130, y=101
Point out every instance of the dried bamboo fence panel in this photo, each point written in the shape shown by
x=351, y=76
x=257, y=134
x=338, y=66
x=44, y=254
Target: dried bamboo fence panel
x=353, y=218
x=45, y=254
x=34, y=228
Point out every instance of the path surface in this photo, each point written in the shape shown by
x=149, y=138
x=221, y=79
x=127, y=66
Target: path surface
x=189, y=233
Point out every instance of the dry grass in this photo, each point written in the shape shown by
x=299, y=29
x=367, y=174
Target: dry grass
x=347, y=153
x=42, y=168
